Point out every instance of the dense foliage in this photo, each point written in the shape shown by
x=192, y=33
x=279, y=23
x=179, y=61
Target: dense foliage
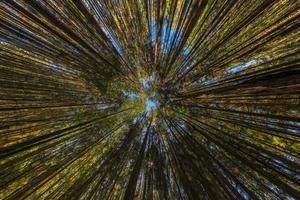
x=150, y=99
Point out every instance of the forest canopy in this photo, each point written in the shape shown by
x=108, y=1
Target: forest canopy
x=150, y=99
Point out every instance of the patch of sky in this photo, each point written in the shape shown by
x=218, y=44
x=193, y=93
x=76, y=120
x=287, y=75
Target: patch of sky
x=3, y=41
x=105, y=107
x=168, y=35
x=76, y=50
x=153, y=32
x=295, y=127
x=210, y=82
x=181, y=124
x=54, y=67
x=146, y=84
x=275, y=189
x=290, y=198
x=186, y=51
x=114, y=42
x=240, y=190
x=136, y=119
x=272, y=125
x=131, y=95
x=90, y=100
x=294, y=123
x=278, y=162
x=167, y=128
x=243, y=66
x=117, y=47
x=293, y=130
x=151, y=104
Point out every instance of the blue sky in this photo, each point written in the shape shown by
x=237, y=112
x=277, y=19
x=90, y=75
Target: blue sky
x=167, y=37
x=243, y=66
x=151, y=104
